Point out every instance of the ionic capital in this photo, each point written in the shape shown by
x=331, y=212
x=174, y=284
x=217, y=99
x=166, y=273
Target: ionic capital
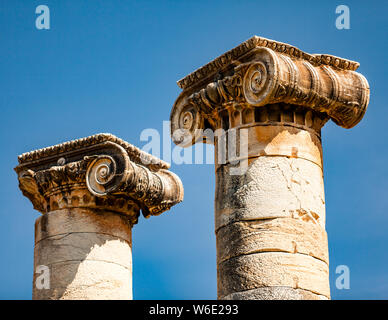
x=261, y=72
x=100, y=171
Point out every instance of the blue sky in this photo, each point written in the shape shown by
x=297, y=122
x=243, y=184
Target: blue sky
x=112, y=66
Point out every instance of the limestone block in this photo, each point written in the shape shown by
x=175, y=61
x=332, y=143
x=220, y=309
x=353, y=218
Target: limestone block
x=82, y=220
x=268, y=269
x=83, y=246
x=272, y=235
x=272, y=187
x=86, y=280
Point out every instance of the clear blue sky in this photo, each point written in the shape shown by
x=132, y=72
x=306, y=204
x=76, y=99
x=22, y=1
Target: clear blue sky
x=112, y=66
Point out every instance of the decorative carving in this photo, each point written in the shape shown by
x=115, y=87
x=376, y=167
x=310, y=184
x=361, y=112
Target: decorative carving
x=261, y=72
x=209, y=70
x=108, y=170
x=186, y=122
x=133, y=152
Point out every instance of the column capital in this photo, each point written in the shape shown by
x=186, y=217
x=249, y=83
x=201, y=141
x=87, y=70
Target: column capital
x=100, y=171
x=262, y=72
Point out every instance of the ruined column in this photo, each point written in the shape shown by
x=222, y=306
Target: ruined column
x=266, y=103
x=90, y=192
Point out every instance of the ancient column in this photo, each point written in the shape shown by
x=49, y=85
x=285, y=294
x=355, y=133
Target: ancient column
x=266, y=102
x=90, y=192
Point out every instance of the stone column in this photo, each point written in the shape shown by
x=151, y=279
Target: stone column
x=90, y=192
x=267, y=102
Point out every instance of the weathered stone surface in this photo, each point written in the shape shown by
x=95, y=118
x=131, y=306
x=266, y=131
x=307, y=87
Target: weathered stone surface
x=83, y=246
x=260, y=72
x=87, y=259
x=82, y=238
x=281, y=140
x=277, y=130
x=267, y=269
x=113, y=171
x=272, y=235
x=274, y=293
x=270, y=227
x=272, y=187
x=82, y=220
x=90, y=192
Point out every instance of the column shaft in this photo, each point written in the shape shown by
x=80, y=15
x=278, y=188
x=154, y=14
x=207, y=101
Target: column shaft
x=270, y=221
x=88, y=253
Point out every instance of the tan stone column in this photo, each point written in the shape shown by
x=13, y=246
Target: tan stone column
x=90, y=192
x=270, y=217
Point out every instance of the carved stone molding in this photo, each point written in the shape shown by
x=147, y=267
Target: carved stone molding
x=100, y=171
x=262, y=72
x=225, y=59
